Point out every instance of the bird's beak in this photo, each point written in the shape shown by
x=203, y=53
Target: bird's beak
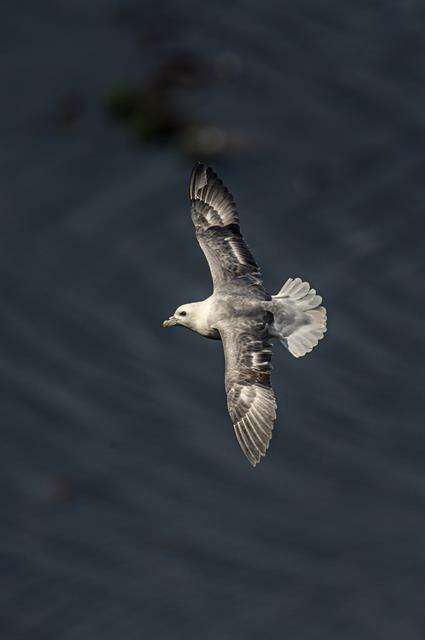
x=169, y=323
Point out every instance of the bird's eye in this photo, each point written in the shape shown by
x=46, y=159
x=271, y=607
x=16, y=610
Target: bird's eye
x=182, y=313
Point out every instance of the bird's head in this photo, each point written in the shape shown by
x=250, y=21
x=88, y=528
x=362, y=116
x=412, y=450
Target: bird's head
x=183, y=315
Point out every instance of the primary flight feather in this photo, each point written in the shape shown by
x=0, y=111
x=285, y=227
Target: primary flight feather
x=243, y=315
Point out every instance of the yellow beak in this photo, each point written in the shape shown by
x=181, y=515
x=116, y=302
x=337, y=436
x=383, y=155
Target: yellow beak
x=169, y=323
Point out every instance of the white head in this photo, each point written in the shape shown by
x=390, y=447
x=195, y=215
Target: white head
x=186, y=315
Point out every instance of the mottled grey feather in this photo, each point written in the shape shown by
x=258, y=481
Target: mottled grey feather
x=250, y=397
x=217, y=230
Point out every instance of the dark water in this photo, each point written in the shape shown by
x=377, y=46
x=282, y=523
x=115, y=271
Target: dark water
x=128, y=510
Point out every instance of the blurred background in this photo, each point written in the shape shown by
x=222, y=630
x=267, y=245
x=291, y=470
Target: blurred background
x=128, y=510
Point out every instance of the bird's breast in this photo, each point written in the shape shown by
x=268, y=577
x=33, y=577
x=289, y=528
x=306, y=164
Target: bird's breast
x=213, y=334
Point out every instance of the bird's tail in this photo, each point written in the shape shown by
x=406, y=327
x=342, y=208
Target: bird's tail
x=299, y=320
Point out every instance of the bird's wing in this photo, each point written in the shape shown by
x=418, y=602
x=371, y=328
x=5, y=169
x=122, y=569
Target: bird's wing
x=217, y=230
x=250, y=397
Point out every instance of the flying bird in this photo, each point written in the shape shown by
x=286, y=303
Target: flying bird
x=243, y=315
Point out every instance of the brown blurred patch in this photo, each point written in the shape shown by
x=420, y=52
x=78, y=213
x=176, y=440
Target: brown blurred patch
x=69, y=109
x=58, y=489
x=151, y=114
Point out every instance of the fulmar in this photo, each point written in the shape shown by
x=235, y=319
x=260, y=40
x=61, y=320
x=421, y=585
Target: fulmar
x=243, y=315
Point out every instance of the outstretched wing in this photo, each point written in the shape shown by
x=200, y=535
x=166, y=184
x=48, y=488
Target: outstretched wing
x=250, y=397
x=217, y=230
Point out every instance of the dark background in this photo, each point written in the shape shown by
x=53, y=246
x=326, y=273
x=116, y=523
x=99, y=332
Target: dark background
x=128, y=510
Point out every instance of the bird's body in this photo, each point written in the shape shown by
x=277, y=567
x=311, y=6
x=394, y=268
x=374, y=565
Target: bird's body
x=243, y=315
x=221, y=307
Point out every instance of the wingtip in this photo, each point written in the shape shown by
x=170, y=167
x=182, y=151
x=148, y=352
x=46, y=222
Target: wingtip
x=198, y=179
x=197, y=167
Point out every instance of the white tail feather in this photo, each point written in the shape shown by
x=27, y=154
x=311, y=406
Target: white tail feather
x=299, y=321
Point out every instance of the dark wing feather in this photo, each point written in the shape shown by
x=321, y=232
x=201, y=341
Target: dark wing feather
x=217, y=230
x=250, y=397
